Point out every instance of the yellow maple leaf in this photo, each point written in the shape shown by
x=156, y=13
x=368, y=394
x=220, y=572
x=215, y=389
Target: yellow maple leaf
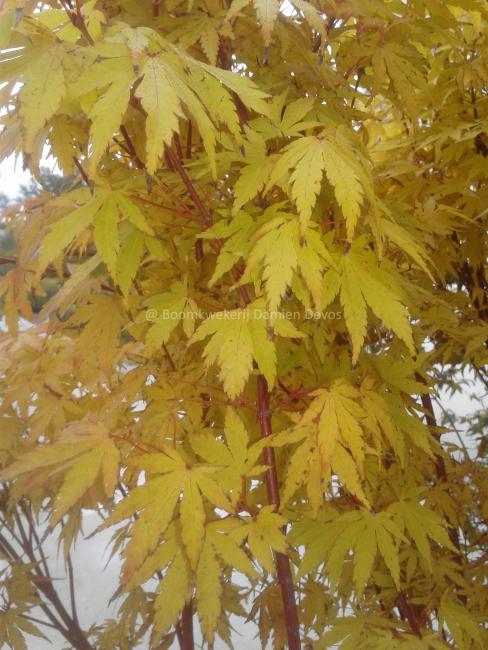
x=163, y=108
x=237, y=337
x=43, y=90
x=364, y=282
x=208, y=590
x=172, y=595
x=85, y=451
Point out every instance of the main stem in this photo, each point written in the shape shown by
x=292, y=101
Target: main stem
x=282, y=562
x=184, y=628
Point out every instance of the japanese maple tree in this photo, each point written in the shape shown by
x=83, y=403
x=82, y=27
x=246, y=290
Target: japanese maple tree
x=271, y=240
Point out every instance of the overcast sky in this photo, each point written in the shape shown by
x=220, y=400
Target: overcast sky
x=11, y=176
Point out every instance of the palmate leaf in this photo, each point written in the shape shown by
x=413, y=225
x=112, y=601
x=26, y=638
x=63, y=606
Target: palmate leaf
x=403, y=66
x=106, y=234
x=62, y=233
x=461, y=624
x=84, y=454
x=129, y=259
x=279, y=251
x=174, y=592
x=264, y=535
x=171, y=482
x=151, y=523
x=155, y=92
x=168, y=80
x=238, y=235
x=326, y=158
x=101, y=321
x=208, y=590
x=200, y=28
x=104, y=210
x=372, y=632
x=331, y=430
x=276, y=249
x=334, y=437
x=266, y=12
x=111, y=79
x=236, y=459
x=226, y=539
x=230, y=347
x=238, y=337
x=164, y=89
x=168, y=309
x=306, y=158
x=354, y=304
x=255, y=173
x=309, y=157
x=43, y=90
x=364, y=283
x=423, y=527
x=215, y=106
x=368, y=535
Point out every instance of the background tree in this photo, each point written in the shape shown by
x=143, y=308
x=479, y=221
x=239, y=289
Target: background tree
x=312, y=180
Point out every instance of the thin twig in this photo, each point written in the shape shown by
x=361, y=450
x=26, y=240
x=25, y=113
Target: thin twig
x=39, y=621
x=453, y=425
x=39, y=547
x=176, y=163
x=72, y=595
x=282, y=561
x=83, y=174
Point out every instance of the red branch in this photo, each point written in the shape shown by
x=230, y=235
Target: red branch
x=184, y=628
x=282, y=561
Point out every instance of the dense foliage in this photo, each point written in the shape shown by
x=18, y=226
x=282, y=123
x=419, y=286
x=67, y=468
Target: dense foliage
x=270, y=246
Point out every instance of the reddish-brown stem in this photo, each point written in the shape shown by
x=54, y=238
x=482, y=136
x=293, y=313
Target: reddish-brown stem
x=199, y=242
x=136, y=445
x=184, y=628
x=83, y=174
x=184, y=214
x=431, y=422
x=409, y=614
x=178, y=167
x=77, y=19
x=188, y=140
x=199, y=250
x=169, y=358
x=282, y=562
x=200, y=400
x=65, y=624
x=440, y=465
x=131, y=149
x=176, y=140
